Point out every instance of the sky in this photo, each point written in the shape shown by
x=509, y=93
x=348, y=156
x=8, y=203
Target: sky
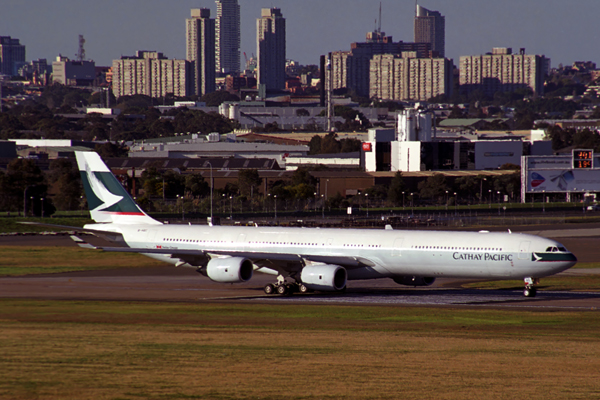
x=564, y=31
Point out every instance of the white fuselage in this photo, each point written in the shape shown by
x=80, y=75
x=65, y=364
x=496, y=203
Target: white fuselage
x=365, y=253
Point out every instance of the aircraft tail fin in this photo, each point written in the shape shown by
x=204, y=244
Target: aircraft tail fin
x=108, y=200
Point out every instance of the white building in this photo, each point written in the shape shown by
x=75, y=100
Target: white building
x=152, y=74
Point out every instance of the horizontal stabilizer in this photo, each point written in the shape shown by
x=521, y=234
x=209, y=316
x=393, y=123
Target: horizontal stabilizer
x=82, y=243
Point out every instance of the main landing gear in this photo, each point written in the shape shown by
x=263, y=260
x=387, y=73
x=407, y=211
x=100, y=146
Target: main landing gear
x=285, y=288
x=282, y=288
x=530, y=289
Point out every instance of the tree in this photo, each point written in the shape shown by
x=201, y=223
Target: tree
x=315, y=145
x=302, y=112
x=196, y=185
x=467, y=187
x=215, y=99
x=330, y=144
x=249, y=182
x=434, y=188
x=396, y=190
x=66, y=182
x=24, y=178
x=111, y=150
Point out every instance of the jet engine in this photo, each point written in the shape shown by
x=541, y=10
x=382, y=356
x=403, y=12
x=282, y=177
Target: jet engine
x=229, y=269
x=324, y=277
x=414, y=280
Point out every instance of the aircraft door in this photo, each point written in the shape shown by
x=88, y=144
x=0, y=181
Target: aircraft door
x=524, y=250
x=397, y=248
x=242, y=240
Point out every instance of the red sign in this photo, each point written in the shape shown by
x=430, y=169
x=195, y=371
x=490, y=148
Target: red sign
x=366, y=146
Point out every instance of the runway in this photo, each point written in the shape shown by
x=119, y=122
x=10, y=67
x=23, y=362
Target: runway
x=170, y=284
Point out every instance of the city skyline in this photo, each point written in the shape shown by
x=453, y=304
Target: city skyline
x=560, y=31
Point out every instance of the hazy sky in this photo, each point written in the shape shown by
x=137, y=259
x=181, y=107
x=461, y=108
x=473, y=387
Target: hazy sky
x=563, y=30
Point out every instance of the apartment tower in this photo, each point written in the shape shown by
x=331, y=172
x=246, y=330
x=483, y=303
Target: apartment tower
x=228, y=37
x=200, y=50
x=270, y=44
x=430, y=27
x=503, y=71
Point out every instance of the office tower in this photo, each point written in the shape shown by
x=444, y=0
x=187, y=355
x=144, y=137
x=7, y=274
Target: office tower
x=12, y=55
x=228, y=37
x=408, y=78
x=502, y=71
x=200, y=50
x=270, y=38
x=152, y=74
x=430, y=27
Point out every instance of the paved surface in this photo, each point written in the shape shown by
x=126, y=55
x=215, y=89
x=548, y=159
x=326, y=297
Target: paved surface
x=185, y=285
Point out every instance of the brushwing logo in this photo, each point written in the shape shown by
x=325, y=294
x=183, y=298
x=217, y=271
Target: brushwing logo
x=537, y=179
x=108, y=199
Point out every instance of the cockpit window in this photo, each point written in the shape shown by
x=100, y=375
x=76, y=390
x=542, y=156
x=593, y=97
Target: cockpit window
x=562, y=249
x=549, y=249
x=554, y=249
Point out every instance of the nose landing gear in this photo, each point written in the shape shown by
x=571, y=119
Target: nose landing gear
x=530, y=289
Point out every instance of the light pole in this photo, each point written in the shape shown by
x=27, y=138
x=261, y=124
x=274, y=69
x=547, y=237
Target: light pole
x=412, y=203
x=275, y=200
x=211, y=192
x=315, y=202
x=490, y=196
x=25, y=200
x=402, y=200
x=367, y=200
x=446, y=200
x=42, y=204
x=544, y=201
x=231, y=207
x=323, y=209
x=455, y=203
x=481, y=190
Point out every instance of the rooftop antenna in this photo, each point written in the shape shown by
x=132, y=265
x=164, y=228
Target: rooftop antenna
x=80, y=56
x=379, y=28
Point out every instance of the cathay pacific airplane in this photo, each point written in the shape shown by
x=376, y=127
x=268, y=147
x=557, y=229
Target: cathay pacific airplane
x=307, y=259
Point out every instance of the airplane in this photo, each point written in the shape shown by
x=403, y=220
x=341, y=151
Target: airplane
x=313, y=259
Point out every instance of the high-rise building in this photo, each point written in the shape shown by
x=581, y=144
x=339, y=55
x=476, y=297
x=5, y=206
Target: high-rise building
x=152, y=74
x=502, y=71
x=408, y=78
x=228, y=36
x=200, y=50
x=430, y=27
x=12, y=55
x=270, y=44
x=351, y=68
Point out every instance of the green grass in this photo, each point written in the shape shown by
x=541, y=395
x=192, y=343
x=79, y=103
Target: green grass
x=10, y=225
x=22, y=260
x=121, y=350
x=587, y=283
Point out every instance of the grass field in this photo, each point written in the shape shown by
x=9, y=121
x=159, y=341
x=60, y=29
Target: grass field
x=21, y=260
x=115, y=350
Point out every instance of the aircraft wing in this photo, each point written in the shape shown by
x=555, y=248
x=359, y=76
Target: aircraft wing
x=286, y=261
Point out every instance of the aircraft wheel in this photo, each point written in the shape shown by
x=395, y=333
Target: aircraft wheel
x=530, y=292
x=269, y=289
x=282, y=289
x=302, y=288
